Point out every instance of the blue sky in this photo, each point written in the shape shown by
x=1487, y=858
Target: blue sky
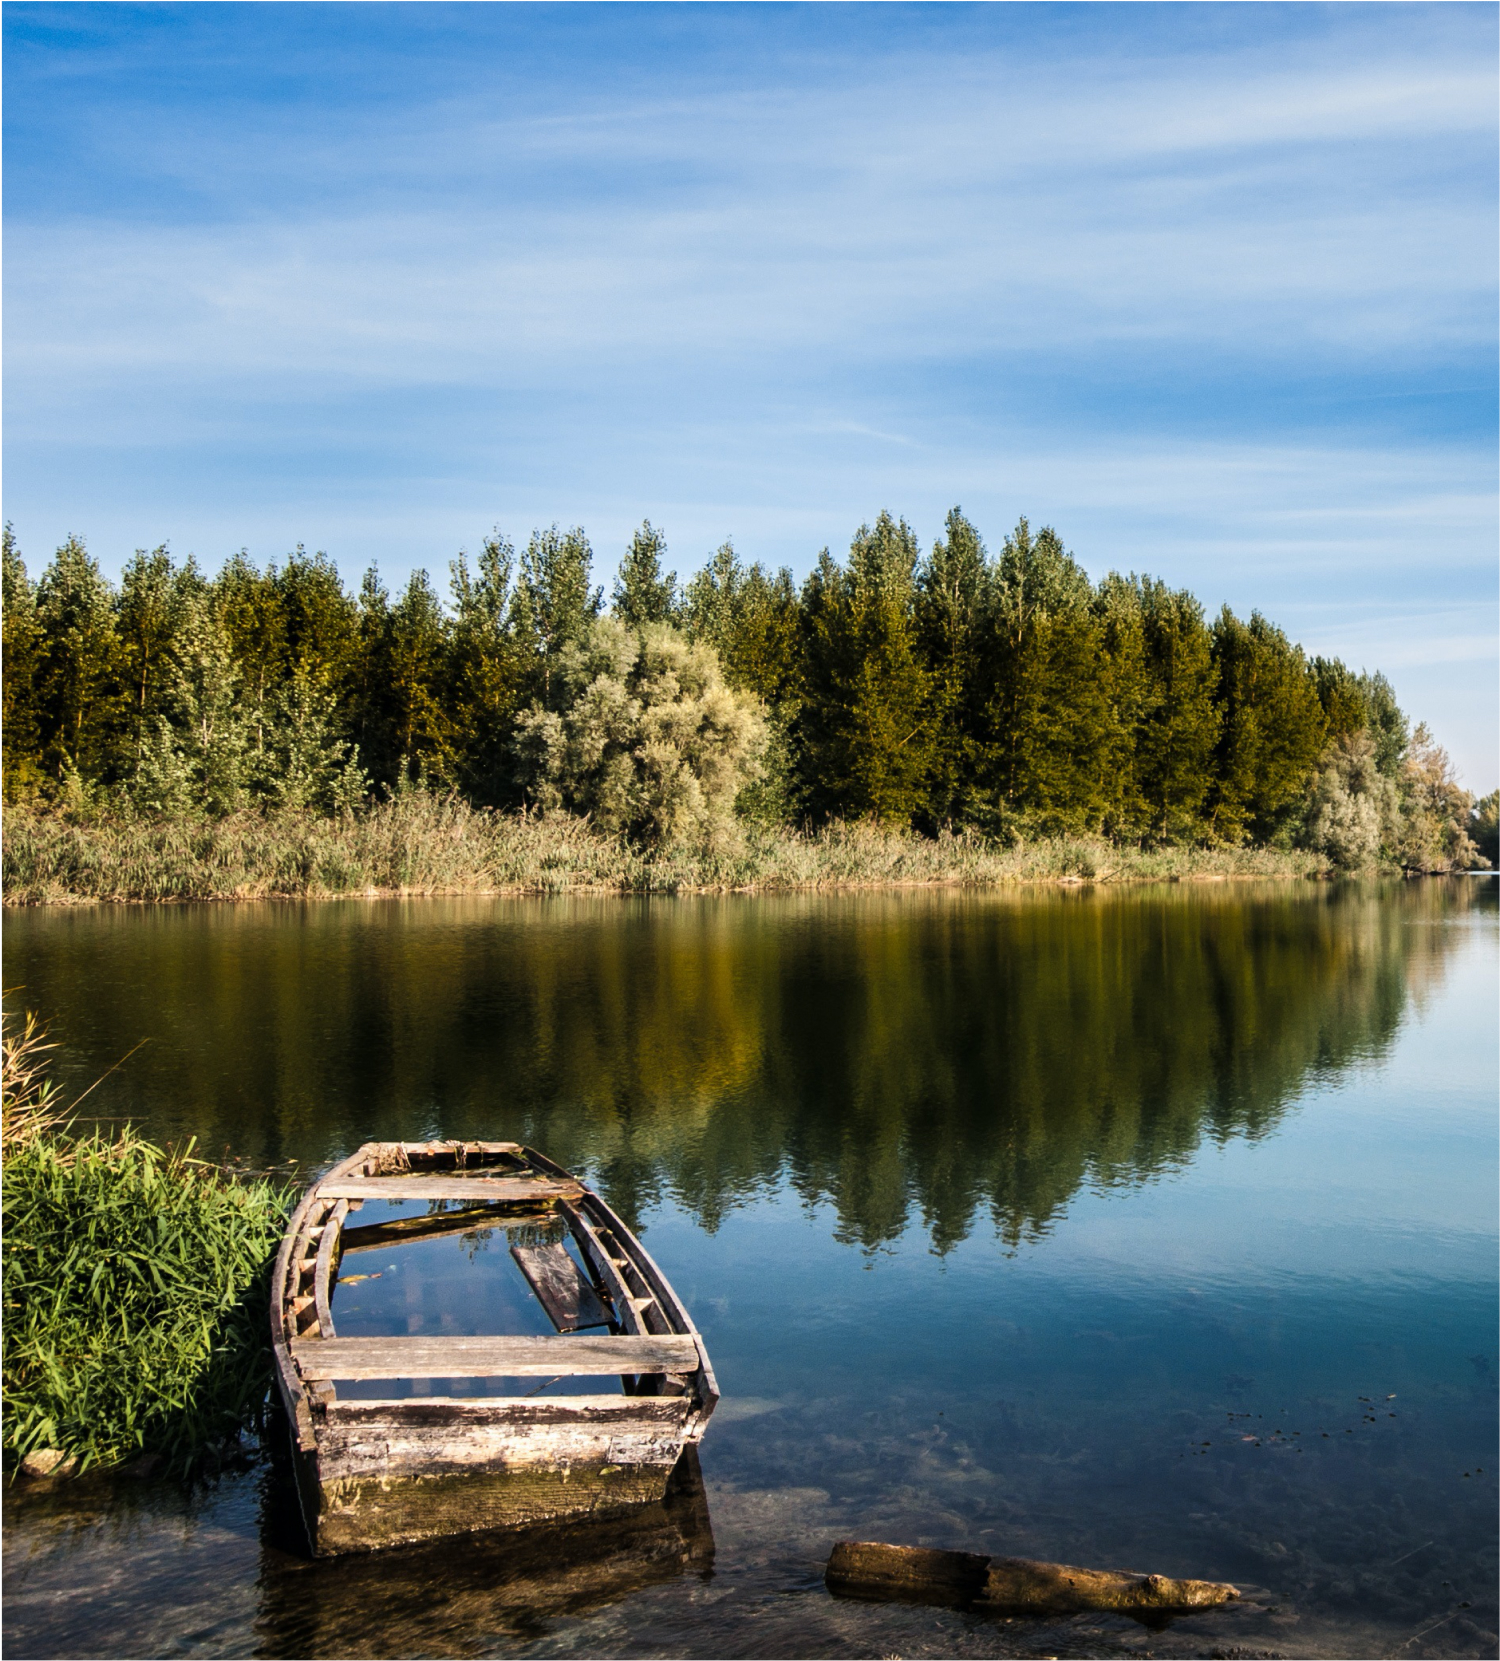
x=1211, y=289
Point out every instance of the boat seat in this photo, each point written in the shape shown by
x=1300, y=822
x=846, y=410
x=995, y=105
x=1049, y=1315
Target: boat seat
x=566, y=1356
x=448, y=1188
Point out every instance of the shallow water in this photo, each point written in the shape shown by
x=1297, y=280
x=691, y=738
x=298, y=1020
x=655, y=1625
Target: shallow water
x=1154, y=1227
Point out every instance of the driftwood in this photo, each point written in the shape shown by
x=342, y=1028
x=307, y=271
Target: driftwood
x=1010, y=1585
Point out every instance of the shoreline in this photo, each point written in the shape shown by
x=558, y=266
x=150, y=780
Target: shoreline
x=605, y=891
x=423, y=846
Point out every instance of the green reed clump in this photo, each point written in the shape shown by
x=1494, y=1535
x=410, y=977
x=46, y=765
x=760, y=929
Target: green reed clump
x=422, y=842
x=135, y=1283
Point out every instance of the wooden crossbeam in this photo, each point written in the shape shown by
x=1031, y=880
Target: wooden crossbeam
x=478, y=1189
x=443, y=1357
x=372, y=1237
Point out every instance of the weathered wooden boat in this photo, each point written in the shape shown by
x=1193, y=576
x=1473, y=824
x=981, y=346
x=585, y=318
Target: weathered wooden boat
x=403, y=1468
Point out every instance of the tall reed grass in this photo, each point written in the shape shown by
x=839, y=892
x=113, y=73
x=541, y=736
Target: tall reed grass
x=423, y=843
x=134, y=1285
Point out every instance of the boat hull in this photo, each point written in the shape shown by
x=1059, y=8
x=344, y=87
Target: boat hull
x=396, y=1473
x=498, y=1584
x=417, y=1467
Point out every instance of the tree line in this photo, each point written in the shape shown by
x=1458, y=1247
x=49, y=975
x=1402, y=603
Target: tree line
x=1006, y=693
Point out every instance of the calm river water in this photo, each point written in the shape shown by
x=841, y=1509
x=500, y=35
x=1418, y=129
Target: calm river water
x=1150, y=1227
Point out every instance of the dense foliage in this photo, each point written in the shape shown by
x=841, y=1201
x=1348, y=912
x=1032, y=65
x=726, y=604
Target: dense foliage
x=134, y=1288
x=1010, y=695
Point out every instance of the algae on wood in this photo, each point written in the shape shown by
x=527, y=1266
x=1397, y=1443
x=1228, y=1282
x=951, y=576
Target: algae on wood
x=1010, y=1585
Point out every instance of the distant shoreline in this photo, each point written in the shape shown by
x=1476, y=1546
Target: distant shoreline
x=682, y=891
x=425, y=846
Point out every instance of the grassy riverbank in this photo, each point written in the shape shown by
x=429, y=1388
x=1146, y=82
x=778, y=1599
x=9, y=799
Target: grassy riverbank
x=134, y=1289
x=423, y=844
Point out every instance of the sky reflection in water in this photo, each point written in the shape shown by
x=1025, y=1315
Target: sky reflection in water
x=1096, y=1226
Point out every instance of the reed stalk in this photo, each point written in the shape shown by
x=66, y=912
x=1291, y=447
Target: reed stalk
x=423, y=843
x=134, y=1285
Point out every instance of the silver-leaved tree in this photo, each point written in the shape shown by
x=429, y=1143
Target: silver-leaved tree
x=641, y=733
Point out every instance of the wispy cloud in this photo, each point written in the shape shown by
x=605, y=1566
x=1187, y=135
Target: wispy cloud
x=1213, y=291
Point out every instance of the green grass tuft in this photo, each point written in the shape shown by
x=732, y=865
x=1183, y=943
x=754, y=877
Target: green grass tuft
x=135, y=1282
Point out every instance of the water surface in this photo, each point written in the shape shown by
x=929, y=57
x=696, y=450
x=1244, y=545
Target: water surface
x=1152, y=1227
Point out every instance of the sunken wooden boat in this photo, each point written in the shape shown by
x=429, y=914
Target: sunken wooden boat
x=405, y=1464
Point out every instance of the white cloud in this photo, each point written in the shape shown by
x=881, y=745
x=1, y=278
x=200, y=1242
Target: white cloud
x=769, y=308
x=1226, y=208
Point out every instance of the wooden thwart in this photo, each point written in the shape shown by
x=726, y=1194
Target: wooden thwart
x=419, y=1357
x=447, y=1188
x=371, y=1237
x=1010, y=1585
x=561, y=1286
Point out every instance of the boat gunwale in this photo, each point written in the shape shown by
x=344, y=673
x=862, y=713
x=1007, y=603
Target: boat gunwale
x=582, y=1213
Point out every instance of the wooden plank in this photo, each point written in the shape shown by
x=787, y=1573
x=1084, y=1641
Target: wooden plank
x=561, y=1286
x=323, y=1268
x=447, y=1188
x=370, y=1237
x=423, y=1357
x=513, y=1435
x=447, y=1413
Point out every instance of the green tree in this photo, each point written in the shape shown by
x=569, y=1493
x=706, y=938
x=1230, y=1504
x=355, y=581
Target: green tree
x=20, y=663
x=369, y=680
x=1353, y=811
x=952, y=616
x=78, y=678
x=642, y=593
x=751, y=619
x=486, y=669
x=866, y=724
x=403, y=730
x=306, y=765
x=554, y=605
x=1180, y=725
x=154, y=600
x=1272, y=730
x=1437, y=813
x=1049, y=719
x=646, y=738
x=1341, y=697
x=1125, y=682
x=319, y=621
x=201, y=751
x=1389, y=730
x=249, y=608
x=1485, y=829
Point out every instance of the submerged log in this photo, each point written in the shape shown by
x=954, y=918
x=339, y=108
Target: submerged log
x=906, y=1574
x=1017, y=1586
x=1010, y=1585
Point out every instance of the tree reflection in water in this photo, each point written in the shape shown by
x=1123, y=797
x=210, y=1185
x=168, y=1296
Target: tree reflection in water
x=957, y=1056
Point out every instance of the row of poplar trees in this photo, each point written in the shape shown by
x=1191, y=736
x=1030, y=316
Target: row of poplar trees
x=1008, y=693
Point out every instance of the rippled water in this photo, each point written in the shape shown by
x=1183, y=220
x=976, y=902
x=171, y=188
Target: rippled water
x=1148, y=1227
